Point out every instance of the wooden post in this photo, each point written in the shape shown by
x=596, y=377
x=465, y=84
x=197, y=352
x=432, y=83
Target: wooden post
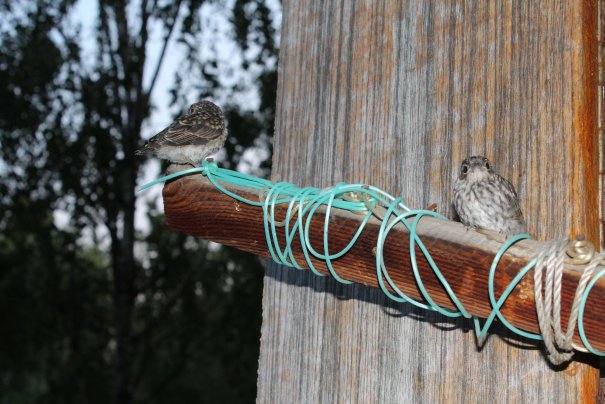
x=396, y=94
x=194, y=206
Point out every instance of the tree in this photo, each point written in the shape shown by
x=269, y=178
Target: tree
x=69, y=127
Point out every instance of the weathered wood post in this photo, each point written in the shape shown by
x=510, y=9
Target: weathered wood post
x=396, y=94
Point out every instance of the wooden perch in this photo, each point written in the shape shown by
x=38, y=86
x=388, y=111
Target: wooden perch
x=192, y=205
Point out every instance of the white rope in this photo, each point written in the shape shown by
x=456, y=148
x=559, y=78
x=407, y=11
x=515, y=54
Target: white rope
x=549, y=265
x=589, y=271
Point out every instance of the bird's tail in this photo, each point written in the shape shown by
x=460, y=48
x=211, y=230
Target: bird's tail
x=141, y=152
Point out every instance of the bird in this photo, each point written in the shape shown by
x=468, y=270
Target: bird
x=483, y=199
x=192, y=137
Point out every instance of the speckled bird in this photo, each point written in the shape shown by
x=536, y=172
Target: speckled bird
x=192, y=137
x=483, y=199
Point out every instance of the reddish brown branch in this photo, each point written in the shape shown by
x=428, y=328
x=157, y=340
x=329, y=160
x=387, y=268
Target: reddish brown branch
x=192, y=205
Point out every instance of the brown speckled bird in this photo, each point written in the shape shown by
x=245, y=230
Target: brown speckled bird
x=485, y=200
x=192, y=137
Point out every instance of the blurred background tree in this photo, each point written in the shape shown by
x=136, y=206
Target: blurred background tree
x=100, y=304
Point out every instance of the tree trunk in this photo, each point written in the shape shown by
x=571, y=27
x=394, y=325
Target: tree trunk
x=396, y=94
x=124, y=267
x=124, y=293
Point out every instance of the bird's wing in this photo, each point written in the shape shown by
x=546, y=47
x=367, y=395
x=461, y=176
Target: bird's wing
x=511, y=195
x=187, y=130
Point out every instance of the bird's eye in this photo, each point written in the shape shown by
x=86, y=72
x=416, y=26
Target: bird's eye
x=464, y=168
x=487, y=165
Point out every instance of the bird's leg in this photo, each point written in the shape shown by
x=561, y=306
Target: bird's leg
x=200, y=163
x=499, y=237
x=468, y=228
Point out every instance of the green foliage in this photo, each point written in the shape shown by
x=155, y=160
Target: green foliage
x=55, y=308
x=211, y=300
x=92, y=310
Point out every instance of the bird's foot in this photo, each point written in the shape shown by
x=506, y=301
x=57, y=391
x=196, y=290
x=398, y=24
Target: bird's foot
x=199, y=163
x=469, y=228
x=491, y=235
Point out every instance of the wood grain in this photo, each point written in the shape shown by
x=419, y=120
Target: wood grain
x=194, y=206
x=396, y=94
